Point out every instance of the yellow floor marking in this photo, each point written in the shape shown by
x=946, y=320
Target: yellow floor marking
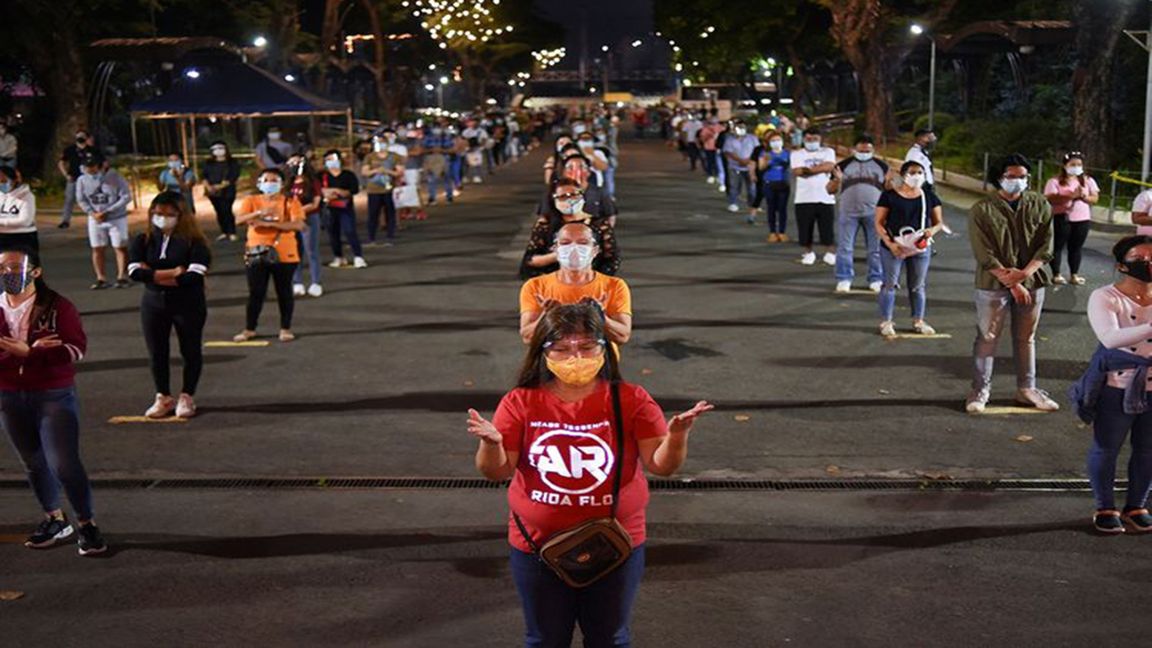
x=919, y=336
x=12, y=538
x=855, y=291
x=229, y=343
x=116, y=420
x=1011, y=409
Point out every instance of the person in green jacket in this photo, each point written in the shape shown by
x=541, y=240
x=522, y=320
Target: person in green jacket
x=1011, y=236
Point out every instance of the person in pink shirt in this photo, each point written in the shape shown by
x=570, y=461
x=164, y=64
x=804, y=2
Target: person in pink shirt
x=1071, y=194
x=707, y=137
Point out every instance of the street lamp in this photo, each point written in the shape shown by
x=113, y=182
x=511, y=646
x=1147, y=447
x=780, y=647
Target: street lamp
x=918, y=30
x=259, y=41
x=1146, y=43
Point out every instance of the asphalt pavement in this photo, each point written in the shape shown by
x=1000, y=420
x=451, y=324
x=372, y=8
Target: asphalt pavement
x=388, y=361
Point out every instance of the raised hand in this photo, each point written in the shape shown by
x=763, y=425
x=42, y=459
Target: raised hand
x=482, y=429
x=682, y=422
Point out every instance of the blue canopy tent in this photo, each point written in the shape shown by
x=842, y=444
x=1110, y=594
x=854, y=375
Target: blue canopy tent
x=231, y=90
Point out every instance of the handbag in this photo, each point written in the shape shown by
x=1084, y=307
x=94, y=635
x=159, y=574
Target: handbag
x=264, y=255
x=588, y=552
x=914, y=241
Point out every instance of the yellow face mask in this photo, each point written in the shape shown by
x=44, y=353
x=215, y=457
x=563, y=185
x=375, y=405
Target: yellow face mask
x=576, y=371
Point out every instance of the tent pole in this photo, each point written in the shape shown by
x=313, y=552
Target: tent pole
x=184, y=139
x=192, y=159
x=135, y=160
x=350, y=143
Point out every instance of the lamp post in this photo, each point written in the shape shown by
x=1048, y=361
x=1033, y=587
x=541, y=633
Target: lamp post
x=1146, y=43
x=440, y=91
x=917, y=30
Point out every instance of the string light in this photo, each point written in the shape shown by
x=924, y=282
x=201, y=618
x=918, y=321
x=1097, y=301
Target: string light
x=548, y=58
x=456, y=23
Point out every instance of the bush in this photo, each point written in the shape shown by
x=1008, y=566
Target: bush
x=943, y=122
x=968, y=141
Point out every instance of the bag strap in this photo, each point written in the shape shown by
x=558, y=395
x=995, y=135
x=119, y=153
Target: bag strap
x=923, y=209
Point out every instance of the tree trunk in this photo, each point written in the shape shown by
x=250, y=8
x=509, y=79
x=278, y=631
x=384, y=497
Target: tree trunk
x=59, y=68
x=379, y=45
x=1100, y=24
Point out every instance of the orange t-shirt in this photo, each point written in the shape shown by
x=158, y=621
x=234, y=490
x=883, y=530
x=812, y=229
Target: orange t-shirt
x=612, y=291
x=286, y=246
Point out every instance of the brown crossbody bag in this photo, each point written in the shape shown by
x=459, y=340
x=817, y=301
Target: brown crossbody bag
x=589, y=551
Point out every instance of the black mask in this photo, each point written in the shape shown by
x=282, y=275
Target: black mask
x=1138, y=270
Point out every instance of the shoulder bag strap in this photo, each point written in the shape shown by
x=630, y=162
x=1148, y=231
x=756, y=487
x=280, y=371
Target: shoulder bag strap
x=923, y=209
x=618, y=415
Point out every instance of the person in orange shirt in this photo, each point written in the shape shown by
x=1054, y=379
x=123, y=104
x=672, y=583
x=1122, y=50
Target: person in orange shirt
x=576, y=282
x=271, y=252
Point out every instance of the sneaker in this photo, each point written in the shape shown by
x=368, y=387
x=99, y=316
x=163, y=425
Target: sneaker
x=64, y=225
x=734, y=208
x=359, y=262
x=185, y=406
x=100, y=285
x=722, y=188
x=48, y=533
x=773, y=238
x=887, y=330
x=875, y=286
x=1037, y=398
x=123, y=283
x=844, y=286
x=222, y=237
x=477, y=180
x=829, y=259
x=161, y=408
x=1108, y=522
x=1138, y=519
x=298, y=290
x=976, y=402
x=91, y=542
x=782, y=237
x=711, y=180
x=338, y=262
x=923, y=328
x=233, y=238
x=1059, y=280
x=388, y=243
x=315, y=290
x=808, y=258
x=1078, y=280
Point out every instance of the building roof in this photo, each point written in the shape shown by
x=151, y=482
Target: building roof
x=235, y=89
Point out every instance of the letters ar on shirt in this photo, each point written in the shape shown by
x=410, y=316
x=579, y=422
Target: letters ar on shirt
x=572, y=462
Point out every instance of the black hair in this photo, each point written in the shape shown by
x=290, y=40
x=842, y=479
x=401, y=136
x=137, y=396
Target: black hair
x=554, y=324
x=336, y=152
x=1125, y=245
x=909, y=164
x=45, y=296
x=1010, y=160
x=227, y=149
x=814, y=131
x=9, y=172
x=920, y=132
x=273, y=170
x=865, y=139
x=1072, y=155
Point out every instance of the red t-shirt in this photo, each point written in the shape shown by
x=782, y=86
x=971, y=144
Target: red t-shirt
x=565, y=475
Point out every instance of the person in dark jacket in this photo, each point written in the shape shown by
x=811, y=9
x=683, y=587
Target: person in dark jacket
x=41, y=337
x=171, y=259
x=567, y=203
x=221, y=172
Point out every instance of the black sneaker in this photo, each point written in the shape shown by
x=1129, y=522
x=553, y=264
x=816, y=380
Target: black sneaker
x=99, y=285
x=91, y=542
x=64, y=225
x=123, y=283
x=50, y=531
x=1138, y=519
x=1108, y=522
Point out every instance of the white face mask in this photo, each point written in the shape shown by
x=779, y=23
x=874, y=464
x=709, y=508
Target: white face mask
x=166, y=223
x=332, y=164
x=862, y=156
x=573, y=207
x=741, y=131
x=1074, y=170
x=574, y=256
x=1013, y=186
x=776, y=145
x=274, y=137
x=812, y=146
x=269, y=188
x=914, y=180
x=219, y=153
x=586, y=145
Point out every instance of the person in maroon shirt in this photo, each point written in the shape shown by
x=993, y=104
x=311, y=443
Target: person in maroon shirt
x=554, y=435
x=41, y=338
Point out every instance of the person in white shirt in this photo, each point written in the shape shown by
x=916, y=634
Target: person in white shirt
x=919, y=153
x=812, y=166
x=17, y=211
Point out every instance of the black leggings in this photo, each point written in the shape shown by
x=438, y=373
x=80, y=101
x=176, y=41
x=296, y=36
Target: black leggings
x=187, y=312
x=281, y=276
x=224, y=216
x=1071, y=236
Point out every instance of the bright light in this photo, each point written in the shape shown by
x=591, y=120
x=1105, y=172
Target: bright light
x=785, y=101
x=429, y=87
x=771, y=61
x=432, y=67
x=592, y=90
x=916, y=29
x=289, y=78
x=491, y=102
x=679, y=67
x=603, y=48
x=459, y=23
x=636, y=43
x=444, y=80
x=765, y=102
x=548, y=58
x=687, y=83
x=192, y=73
x=259, y=41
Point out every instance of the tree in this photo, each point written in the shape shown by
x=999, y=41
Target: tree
x=1100, y=24
x=870, y=34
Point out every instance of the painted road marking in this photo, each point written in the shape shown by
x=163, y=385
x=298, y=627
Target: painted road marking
x=921, y=336
x=1011, y=409
x=117, y=420
x=215, y=344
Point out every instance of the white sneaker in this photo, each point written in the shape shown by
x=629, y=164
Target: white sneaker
x=722, y=189
x=315, y=290
x=359, y=262
x=185, y=406
x=338, y=262
x=976, y=402
x=808, y=258
x=711, y=179
x=1037, y=398
x=733, y=208
x=477, y=180
x=844, y=286
x=829, y=259
x=887, y=329
x=161, y=408
x=298, y=290
x=1059, y=280
x=875, y=286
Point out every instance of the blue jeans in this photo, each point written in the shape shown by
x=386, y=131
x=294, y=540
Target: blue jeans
x=44, y=428
x=344, y=222
x=992, y=308
x=456, y=170
x=552, y=608
x=846, y=246
x=738, y=183
x=1110, y=429
x=710, y=165
x=69, y=201
x=610, y=181
x=917, y=271
x=310, y=249
x=434, y=180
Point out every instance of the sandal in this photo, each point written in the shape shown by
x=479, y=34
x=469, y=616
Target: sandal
x=244, y=336
x=287, y=336
x=1138, y=519
x=923, y=328
x=1108, y=521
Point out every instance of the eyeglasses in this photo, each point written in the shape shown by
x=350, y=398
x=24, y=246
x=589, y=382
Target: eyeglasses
x=562, y=350
x=568, y=196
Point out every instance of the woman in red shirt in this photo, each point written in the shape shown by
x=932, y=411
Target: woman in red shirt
x=554, y=436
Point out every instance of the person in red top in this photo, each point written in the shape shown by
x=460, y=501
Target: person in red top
x=41, y=338
x=554, y=436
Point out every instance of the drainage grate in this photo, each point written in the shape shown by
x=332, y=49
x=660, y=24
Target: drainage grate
x=457, y=483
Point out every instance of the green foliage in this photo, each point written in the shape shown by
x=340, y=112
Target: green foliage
x=942, y=123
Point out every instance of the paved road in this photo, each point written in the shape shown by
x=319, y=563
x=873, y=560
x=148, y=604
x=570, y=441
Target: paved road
x=390, y=358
